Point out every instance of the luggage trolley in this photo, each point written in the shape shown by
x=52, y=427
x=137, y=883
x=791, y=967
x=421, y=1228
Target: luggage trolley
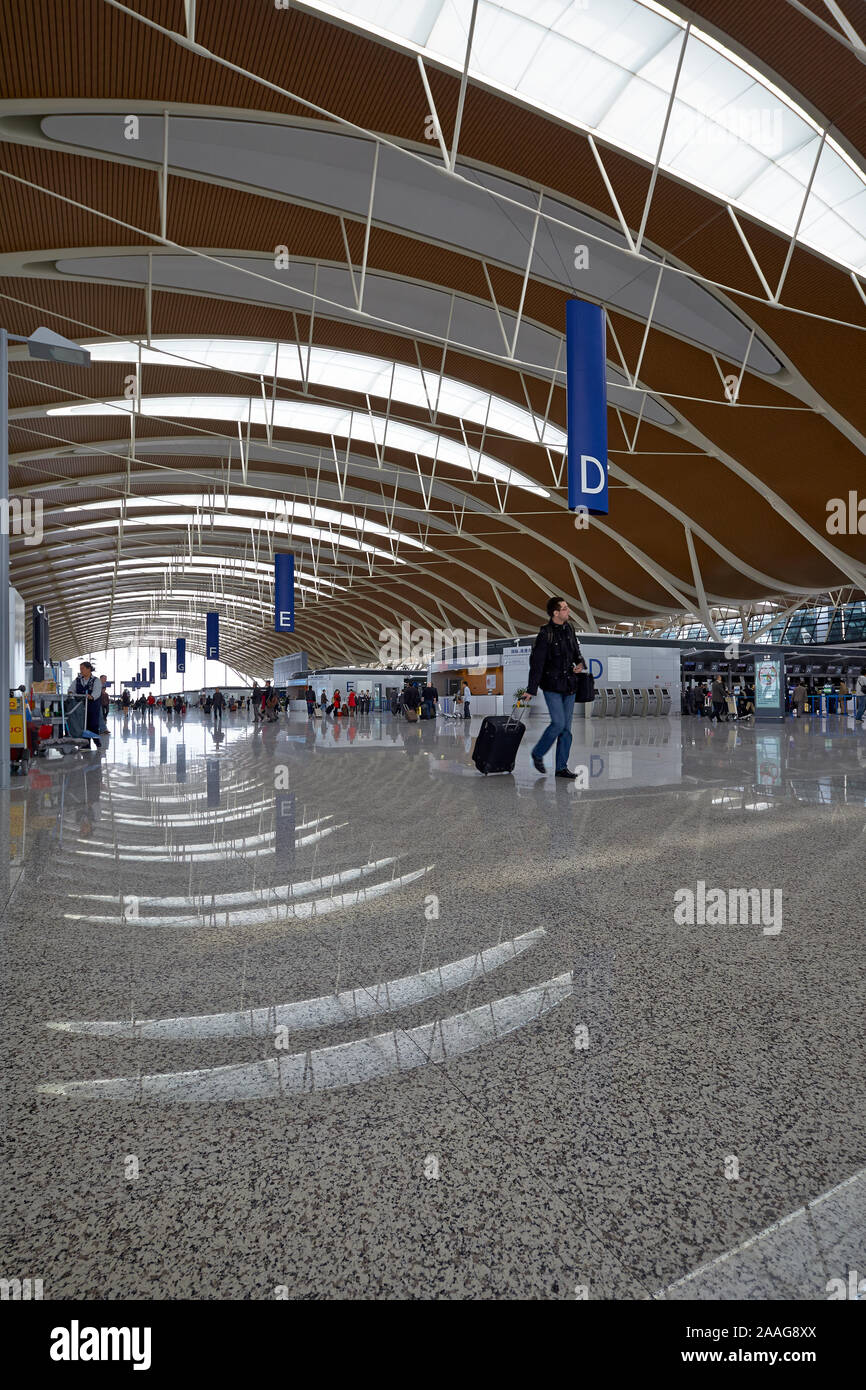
x=67, y=724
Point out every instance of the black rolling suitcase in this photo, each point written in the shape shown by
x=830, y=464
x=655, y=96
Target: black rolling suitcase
x=497, y=743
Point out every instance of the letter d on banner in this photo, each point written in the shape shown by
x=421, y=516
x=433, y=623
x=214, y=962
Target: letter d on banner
x=180, y=663
x=212, y=637
x=587, y=406
x=284, y=593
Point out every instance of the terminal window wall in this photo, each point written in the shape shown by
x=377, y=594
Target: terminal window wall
x=846, y=623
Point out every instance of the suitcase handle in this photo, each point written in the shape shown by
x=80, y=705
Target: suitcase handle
x=516, y=718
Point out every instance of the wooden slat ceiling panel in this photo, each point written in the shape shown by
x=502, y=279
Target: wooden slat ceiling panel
x=87, y=50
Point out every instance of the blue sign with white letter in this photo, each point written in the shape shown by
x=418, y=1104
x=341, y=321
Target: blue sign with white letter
x=587, y=407
x=163, y=666
x=212, y=637
x=284, y=593
x=180, y=664
x=152, y=676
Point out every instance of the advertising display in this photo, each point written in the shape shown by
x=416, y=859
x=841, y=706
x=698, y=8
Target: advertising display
x=769, y=688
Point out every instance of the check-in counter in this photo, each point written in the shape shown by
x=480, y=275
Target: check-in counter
x=613, y=700
x=642, y=702
x=626, y=697
x=663, y=700
x=599, y=704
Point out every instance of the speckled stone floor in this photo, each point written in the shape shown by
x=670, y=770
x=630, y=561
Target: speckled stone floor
x=317, y=1011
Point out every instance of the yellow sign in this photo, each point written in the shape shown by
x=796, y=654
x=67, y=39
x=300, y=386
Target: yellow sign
x=17, y=734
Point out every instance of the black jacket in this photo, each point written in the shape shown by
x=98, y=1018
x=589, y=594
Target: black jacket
x=555, y=651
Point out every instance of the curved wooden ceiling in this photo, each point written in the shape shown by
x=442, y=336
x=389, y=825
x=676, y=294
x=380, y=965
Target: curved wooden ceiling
x=726, y=500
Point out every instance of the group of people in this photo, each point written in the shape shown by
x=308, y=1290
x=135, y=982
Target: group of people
x=356, y=702
x=265, y=703
x=717, y=703
x=215, y=704
x=166, y=704
x=838, y=698
x=416, y=701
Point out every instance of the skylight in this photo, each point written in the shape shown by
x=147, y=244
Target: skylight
x=284, y=514
x=609, y=68
x=309, y=417
x=348, y=371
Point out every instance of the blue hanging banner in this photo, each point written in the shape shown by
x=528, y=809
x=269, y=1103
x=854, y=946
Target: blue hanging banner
x=152, y=673
x=587, y=407
x=180, y=664
x=163, y=666
x=212, y=637
x=284, y=593
x=144, y=675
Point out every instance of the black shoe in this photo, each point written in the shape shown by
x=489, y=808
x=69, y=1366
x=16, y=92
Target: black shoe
x=538, y=764
x=564, y=772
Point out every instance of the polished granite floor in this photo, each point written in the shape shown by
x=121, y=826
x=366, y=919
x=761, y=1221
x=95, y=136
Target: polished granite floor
x=313, y=1010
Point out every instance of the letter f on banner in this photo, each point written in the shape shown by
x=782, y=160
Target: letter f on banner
x=212, y=636
x=587, y=407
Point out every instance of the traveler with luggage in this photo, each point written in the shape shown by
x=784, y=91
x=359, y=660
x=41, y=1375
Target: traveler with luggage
x=801, y=695
x=429, y=699
x=719, y=697
x=411, y=702
x=466, y=696
x=218, y=705
x=749, y=701
x=860, y=697
x=554, y=665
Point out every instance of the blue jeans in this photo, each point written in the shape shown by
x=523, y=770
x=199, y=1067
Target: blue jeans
x=560, y=708
x=859, y=706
